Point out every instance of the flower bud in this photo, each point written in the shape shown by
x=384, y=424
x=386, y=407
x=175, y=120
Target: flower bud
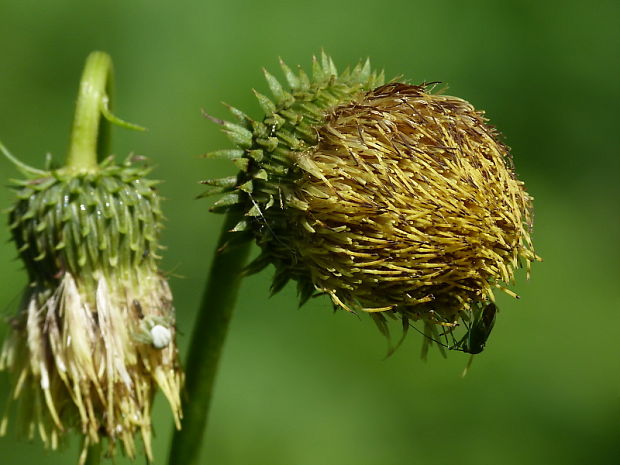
x=390, y=199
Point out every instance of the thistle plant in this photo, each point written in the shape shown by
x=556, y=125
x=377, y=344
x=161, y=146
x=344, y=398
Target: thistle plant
x=391, y=199
x=95, y=333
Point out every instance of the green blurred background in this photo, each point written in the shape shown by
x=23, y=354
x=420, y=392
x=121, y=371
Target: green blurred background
x=307, y=386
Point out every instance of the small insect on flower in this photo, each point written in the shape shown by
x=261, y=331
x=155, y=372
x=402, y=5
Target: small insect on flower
x=156, y=331
x=161, y=336
x=475, y=339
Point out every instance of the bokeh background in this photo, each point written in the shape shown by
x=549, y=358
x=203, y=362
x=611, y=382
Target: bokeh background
x=309, y=386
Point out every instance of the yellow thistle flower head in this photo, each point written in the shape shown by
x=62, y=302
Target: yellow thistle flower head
x=389, y=198
x=95, y=333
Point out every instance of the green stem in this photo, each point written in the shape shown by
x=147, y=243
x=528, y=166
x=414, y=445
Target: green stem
x=208, y=337
x=93, y=456
x=90, y=133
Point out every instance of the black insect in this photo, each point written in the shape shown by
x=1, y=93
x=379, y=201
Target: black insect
x=479, y=329
x=478, y=333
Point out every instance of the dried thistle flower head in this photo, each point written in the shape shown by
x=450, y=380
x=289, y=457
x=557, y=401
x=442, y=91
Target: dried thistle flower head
x=95, y=333
x=391, y=199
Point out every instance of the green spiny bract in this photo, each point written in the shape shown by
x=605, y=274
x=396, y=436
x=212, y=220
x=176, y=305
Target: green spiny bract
x=266, y=156
x=95, y=334
x=106, y=220
x=392, y=200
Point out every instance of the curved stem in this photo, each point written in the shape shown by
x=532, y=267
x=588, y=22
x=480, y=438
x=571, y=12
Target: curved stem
x=208, y=337
x=90, y=133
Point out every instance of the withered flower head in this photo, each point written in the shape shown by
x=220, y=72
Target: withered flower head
x=391, y=199
x=95, y=333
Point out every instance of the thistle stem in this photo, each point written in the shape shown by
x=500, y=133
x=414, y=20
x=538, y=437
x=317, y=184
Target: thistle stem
x=93, y=454
x=90, y=133
x=208, y=338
